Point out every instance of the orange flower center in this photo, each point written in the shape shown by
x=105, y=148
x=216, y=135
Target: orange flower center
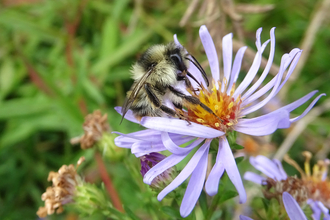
x=225, y=108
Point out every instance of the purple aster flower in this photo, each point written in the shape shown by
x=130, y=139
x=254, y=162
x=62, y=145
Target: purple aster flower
x=291, y=206
x=230, y=105
x=313, y=189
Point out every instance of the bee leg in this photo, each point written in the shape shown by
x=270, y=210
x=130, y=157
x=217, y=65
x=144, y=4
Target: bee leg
x=192, y=100
x=177, y=105
x=189, y=86
x=152, y=96
x=173, y=113
x=155, y=100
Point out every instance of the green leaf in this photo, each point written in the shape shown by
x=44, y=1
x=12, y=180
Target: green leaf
x=100, y=6
x=63, y=100
x=17, y=20
x=7, y=76
x=18, y=133
x=93, y=92
x=118, y=8
x=24, y=107
x=239, y=159
x=131, y=214
x=127, y=48
x=216, y=215
x=227, y=195
x=168, y=210
x=215, y=145
x=231, y=137
x=236, y=146
x=266, y=203
x=109, y=37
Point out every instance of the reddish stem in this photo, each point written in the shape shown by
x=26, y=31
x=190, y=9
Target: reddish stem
x=35, y=78
x=108, y=183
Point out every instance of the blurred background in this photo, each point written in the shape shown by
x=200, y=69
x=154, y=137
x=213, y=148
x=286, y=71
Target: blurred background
x=61, y=60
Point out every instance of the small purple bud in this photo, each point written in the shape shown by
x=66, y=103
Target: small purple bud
x=162, y=180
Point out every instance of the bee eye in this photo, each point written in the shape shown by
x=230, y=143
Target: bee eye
x=176, y=59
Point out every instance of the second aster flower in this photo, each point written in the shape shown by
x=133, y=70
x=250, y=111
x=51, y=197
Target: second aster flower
x=230, y=103
x=311, y=188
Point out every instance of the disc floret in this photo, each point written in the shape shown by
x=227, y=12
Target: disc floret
x=225, y=107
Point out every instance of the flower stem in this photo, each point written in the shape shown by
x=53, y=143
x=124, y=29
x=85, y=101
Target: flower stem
x=213, y=206
x=108, y=183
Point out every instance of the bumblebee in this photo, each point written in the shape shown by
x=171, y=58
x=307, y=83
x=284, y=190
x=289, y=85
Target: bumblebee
x=156, y=75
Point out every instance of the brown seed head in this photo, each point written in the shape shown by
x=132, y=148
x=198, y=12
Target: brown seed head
x=65, y=182
x=94, y=126
x=292, y=185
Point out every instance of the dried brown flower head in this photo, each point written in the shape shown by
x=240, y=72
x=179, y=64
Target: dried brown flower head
x=315, y=179
x=94, y=126
x=65, y=182
x=292, y=185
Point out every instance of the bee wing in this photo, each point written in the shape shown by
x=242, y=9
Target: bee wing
x=134, y=92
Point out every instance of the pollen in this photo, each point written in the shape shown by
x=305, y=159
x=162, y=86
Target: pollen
x=200, y=120
x=225, y=108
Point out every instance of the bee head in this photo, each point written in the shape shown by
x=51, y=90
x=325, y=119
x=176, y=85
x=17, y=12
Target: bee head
x=175, y=55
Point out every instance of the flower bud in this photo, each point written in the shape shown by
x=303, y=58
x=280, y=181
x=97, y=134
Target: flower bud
x=162, y=180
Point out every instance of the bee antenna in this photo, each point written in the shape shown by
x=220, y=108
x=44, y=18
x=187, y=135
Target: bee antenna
x=122, y=118
x=199, y=67
x=191, y=76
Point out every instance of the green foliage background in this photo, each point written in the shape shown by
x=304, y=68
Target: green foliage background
x=60, y=60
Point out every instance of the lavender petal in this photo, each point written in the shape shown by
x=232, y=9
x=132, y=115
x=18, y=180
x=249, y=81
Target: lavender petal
x=185, y=173
x=163, y=165
x=253, y=69
x=138, y=136
x=307, y=109
x=140, y=148
x=264, y=125
x=322, y=207
x=210, y=51
x=282, y=173
x=176, y=41
x=227, y=55
x=194, y=187
x=286, y=59
x=258, y=41
x=180, y=127
x=292, y=207
x=212, y=182
x=316, y=210
x=123, y=144
x=292, y=66
x=242, y=217
x=253, y=177
x=226, y=155
x=129, y=115
x=236, y=67
x=292, y=106
x=267, y=166
x=267, y=68
x=175, y=149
